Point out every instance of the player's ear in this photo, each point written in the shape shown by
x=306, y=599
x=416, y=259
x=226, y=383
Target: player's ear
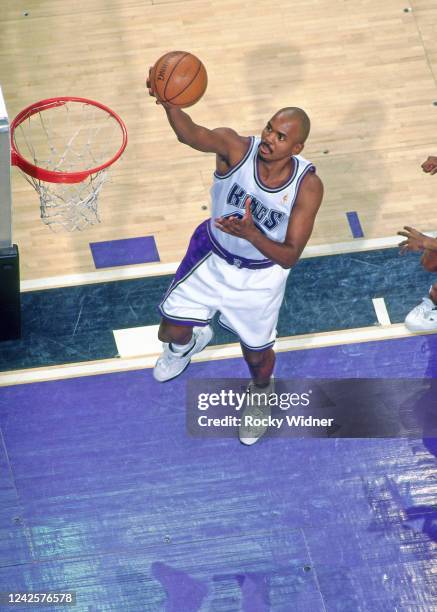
x=298, y=148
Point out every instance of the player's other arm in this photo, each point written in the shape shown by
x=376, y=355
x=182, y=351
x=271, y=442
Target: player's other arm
x=299, y=228
x=300, y=225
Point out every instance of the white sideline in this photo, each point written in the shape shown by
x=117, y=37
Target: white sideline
x=292, y=343
x=158, y=269
x=381, y=311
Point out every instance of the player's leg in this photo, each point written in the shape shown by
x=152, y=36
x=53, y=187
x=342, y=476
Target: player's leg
x=181, y=342
x=253, y=316
x=179, y=334
x=257, y=411
x=261, y=364
x=187, y=308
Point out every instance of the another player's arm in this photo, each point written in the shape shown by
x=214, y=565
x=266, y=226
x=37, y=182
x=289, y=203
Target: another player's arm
x=416, y=241
x=300, y=225
x=430, y=165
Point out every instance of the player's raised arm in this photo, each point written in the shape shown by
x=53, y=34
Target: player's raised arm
x=222, y=141
x=225, y=142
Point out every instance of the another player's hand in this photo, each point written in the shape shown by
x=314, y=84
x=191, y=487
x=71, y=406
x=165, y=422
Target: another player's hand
x=415, y=241
x=241, y=228
x=430, y=165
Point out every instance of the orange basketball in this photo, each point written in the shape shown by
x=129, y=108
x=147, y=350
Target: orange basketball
x=179, y=78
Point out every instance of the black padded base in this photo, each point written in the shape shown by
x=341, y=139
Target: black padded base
x=10, y=311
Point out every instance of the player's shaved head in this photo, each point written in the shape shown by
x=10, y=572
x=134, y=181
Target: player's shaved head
x=293, y=113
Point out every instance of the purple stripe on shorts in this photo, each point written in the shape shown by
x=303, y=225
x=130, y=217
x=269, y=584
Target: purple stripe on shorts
x=258, y=348
x=198, y=248
x=250, y=348
x=190, y=322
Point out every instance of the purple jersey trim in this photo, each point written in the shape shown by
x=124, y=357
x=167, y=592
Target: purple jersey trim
x=286, y=183
x=240, y=163
x=310, y=168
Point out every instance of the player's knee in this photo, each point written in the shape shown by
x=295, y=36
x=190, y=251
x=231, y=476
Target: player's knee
x=255, y=358
x=174, y=333
x=163, y=336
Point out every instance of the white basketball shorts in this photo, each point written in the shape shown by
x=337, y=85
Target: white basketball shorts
x=248, y=300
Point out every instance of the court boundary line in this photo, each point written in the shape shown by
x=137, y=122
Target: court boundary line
x=227, y=351
x=159, y=269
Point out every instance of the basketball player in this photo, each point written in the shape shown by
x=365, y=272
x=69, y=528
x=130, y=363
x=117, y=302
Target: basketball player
x=265, y=198
x=424, y=316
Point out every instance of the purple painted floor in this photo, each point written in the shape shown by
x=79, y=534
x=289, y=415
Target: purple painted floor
x=104, y=493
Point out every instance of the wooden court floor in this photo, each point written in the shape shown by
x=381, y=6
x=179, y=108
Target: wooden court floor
x=364, y=71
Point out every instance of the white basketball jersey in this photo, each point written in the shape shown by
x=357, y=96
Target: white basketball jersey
x=271, y=208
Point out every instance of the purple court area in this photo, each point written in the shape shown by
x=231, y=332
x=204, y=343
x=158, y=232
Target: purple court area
x=355, y=225
x=126, y=252
x=104, y=493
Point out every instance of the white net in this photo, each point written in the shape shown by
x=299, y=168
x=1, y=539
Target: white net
x=69, y=206
x=69, y=138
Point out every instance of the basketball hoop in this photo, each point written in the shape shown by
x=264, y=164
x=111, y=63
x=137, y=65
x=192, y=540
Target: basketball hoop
x=64, y=146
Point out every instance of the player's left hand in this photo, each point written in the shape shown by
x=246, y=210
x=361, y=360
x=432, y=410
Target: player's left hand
x=152, y=92
x=415, y=241
x=241, y=228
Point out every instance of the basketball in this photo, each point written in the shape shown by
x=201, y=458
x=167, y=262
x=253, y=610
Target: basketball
x=179, y=78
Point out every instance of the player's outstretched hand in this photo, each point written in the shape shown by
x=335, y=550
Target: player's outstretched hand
x=150, y=89
x=430, y=165
x=239, y=227
x=415, y=241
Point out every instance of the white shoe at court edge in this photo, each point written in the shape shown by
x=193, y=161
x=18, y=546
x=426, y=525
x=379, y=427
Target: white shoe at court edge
x=423, y=317
x=170, y=364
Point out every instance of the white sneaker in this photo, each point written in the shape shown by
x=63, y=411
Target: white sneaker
x=423, y=317
x=257, y=408
x=170, y=364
